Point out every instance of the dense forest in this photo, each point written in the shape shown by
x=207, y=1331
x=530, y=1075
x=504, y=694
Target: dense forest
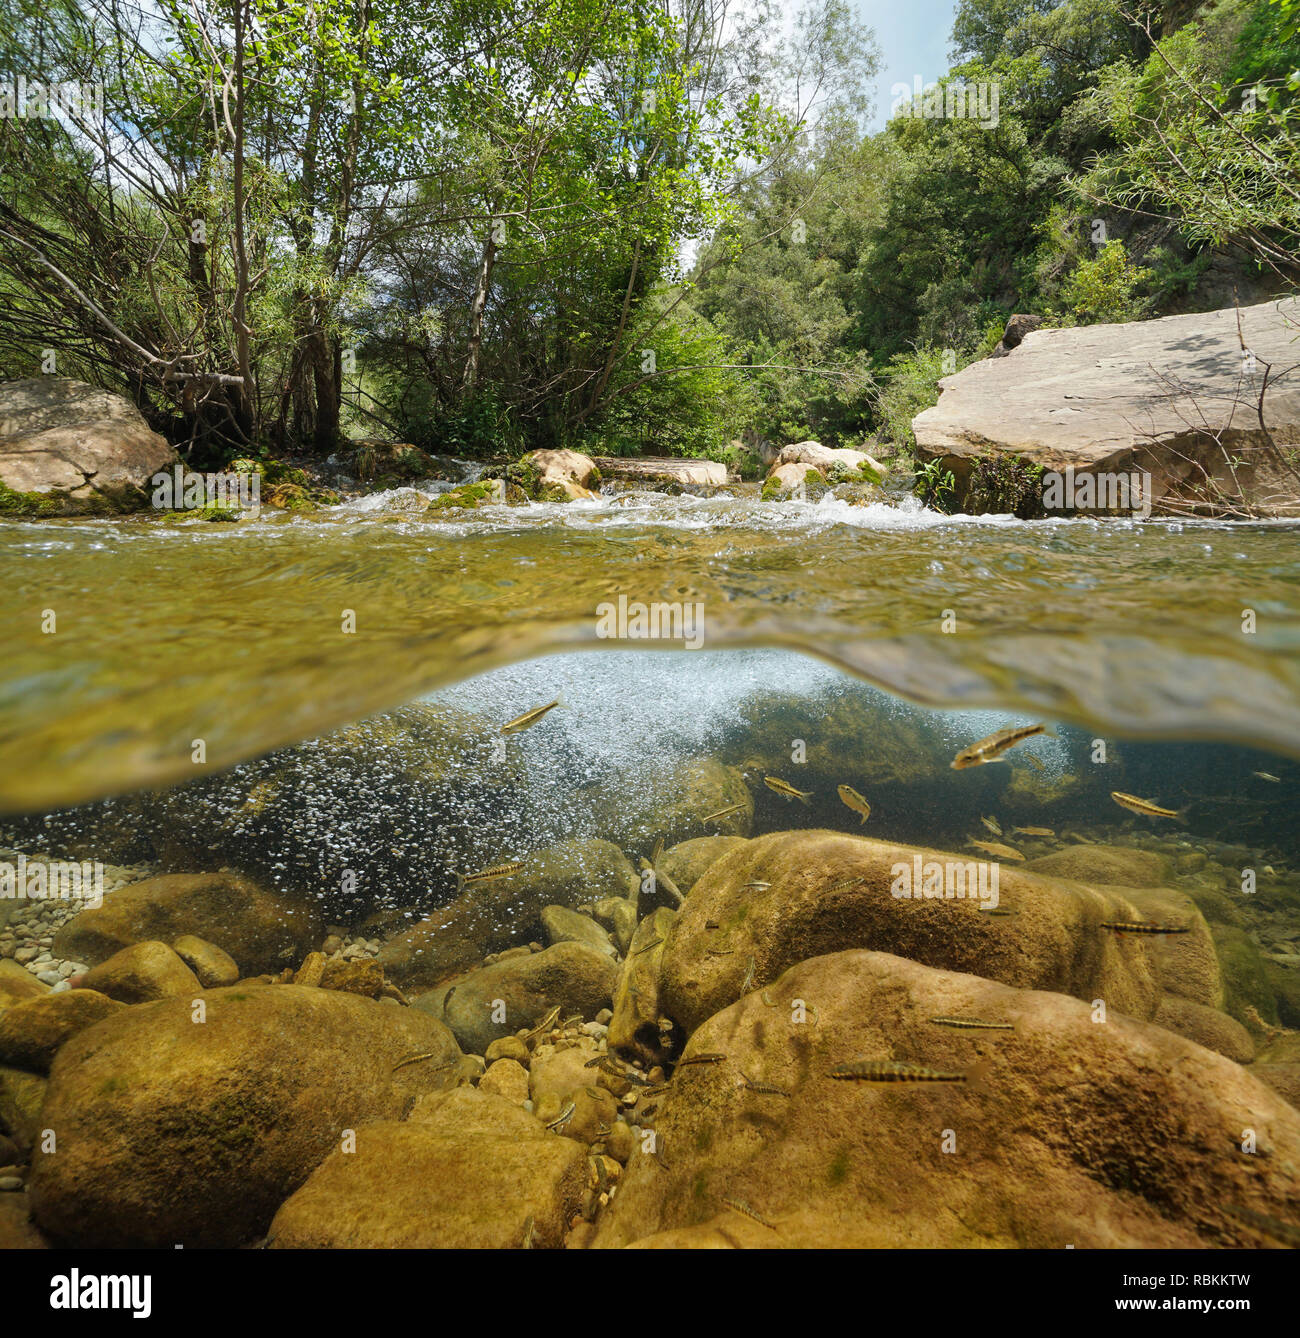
x=628, y=226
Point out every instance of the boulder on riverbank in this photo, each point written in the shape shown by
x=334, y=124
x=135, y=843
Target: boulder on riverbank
x=1173, y=398
x=69, y=448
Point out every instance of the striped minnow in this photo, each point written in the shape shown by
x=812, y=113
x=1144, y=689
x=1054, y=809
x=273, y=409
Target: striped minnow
x=890, y=1071
x=1142, y=927
x=787, y=791
x=463, y=880
x=992, y=748
x=972, y=1024
x=1143, y=806
x=530, y=717
x=725, y=812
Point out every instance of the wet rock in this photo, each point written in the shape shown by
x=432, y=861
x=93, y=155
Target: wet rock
x=564, y=926
x=1284, y=1079
x=32, y=1032
x=171, y=1131
x=1055, y=1148
x=507, y=1078
x=491, y=918
x=261, y=929
x=362, y=976
x=508, y=1047
x=143, y=973
x=624, y=924
x=430, y=1185
x=17, y=984
x=1120, y=865
x=212, y=965
x=634, y=1027
x=1206, y=1026
x=499, y=1000
x=830, y=891
x=312, y=970
x=21, y=1096
x=687, y=861
x=17, y=1230
x=555, y=476
x=563, y=1072
x=1246, y=986
x=835, y=463
x=1183, y=964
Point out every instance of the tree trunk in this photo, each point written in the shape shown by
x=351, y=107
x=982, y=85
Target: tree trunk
x=476, y=311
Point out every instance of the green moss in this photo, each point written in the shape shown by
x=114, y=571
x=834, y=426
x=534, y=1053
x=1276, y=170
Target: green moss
x=31, y=504
x=704, y=1140
x=218, y=513
x=112, y=1087
x=525, y=474
x=595, y=479
x=771, y=490
x=467, y=496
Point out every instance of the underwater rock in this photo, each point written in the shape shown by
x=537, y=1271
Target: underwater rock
x=32, y=1032
x=561, y=1073
x=436, y=1184
x=560, y=925
x=1098, y=1136
x=17, y=1231
x=671, y=811
x=493, y=916
x=143, y=973
x=16, y=984
x=634, y=1028
x=1105, y=864
x=521, y=991
x=261, y=929
x=829, y=891
x=22, y=1095
x=214, y=966
x=365, y=978
x=1206, y=1026
x=173, y=1133
x=1284, y=1079
x=1247, y=989
x=1186, y=965
x=507, y=1078
x=686, y=861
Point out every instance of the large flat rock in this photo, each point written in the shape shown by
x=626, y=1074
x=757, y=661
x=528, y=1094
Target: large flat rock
x=1165, y=396
x=58, y=435
x=709, y=473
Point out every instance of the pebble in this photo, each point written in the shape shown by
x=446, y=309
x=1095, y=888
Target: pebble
x=49, y=977
x=605, y=1016
x=10, y=1182
x=25, y=955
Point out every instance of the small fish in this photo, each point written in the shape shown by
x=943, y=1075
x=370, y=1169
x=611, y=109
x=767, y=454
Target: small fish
x=719, y=952
x=762, y=887
x=1035, y=762
x=1033, y=831
x=993, y=848
x=972, y=1024
x=749, y=978
x=855, y=801
x=415, y=1059
x=564, y=1116
x=712, y=924
x=889, y=1071
x=530, y=718
x=1268, y=776
x=787, y=791
x=654, y=943
x=763, y=1088
x=741, y=1207
x=657, y=854
x=992, y=748
x=463, y=880
x=1143, y=806
x=708, y=1057
x=1283, y=1231
x=598, y=1062
x=725, y=812
x=545, y=1024
x=1142, y=927
x=767, y=999
x=996, y=910
x=992, y=824
x=647, y=1112
x=527, y=1243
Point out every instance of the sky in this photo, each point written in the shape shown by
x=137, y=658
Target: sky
x=913, y=37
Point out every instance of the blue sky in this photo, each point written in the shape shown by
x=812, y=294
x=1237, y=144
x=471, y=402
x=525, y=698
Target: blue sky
x=913, y=37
